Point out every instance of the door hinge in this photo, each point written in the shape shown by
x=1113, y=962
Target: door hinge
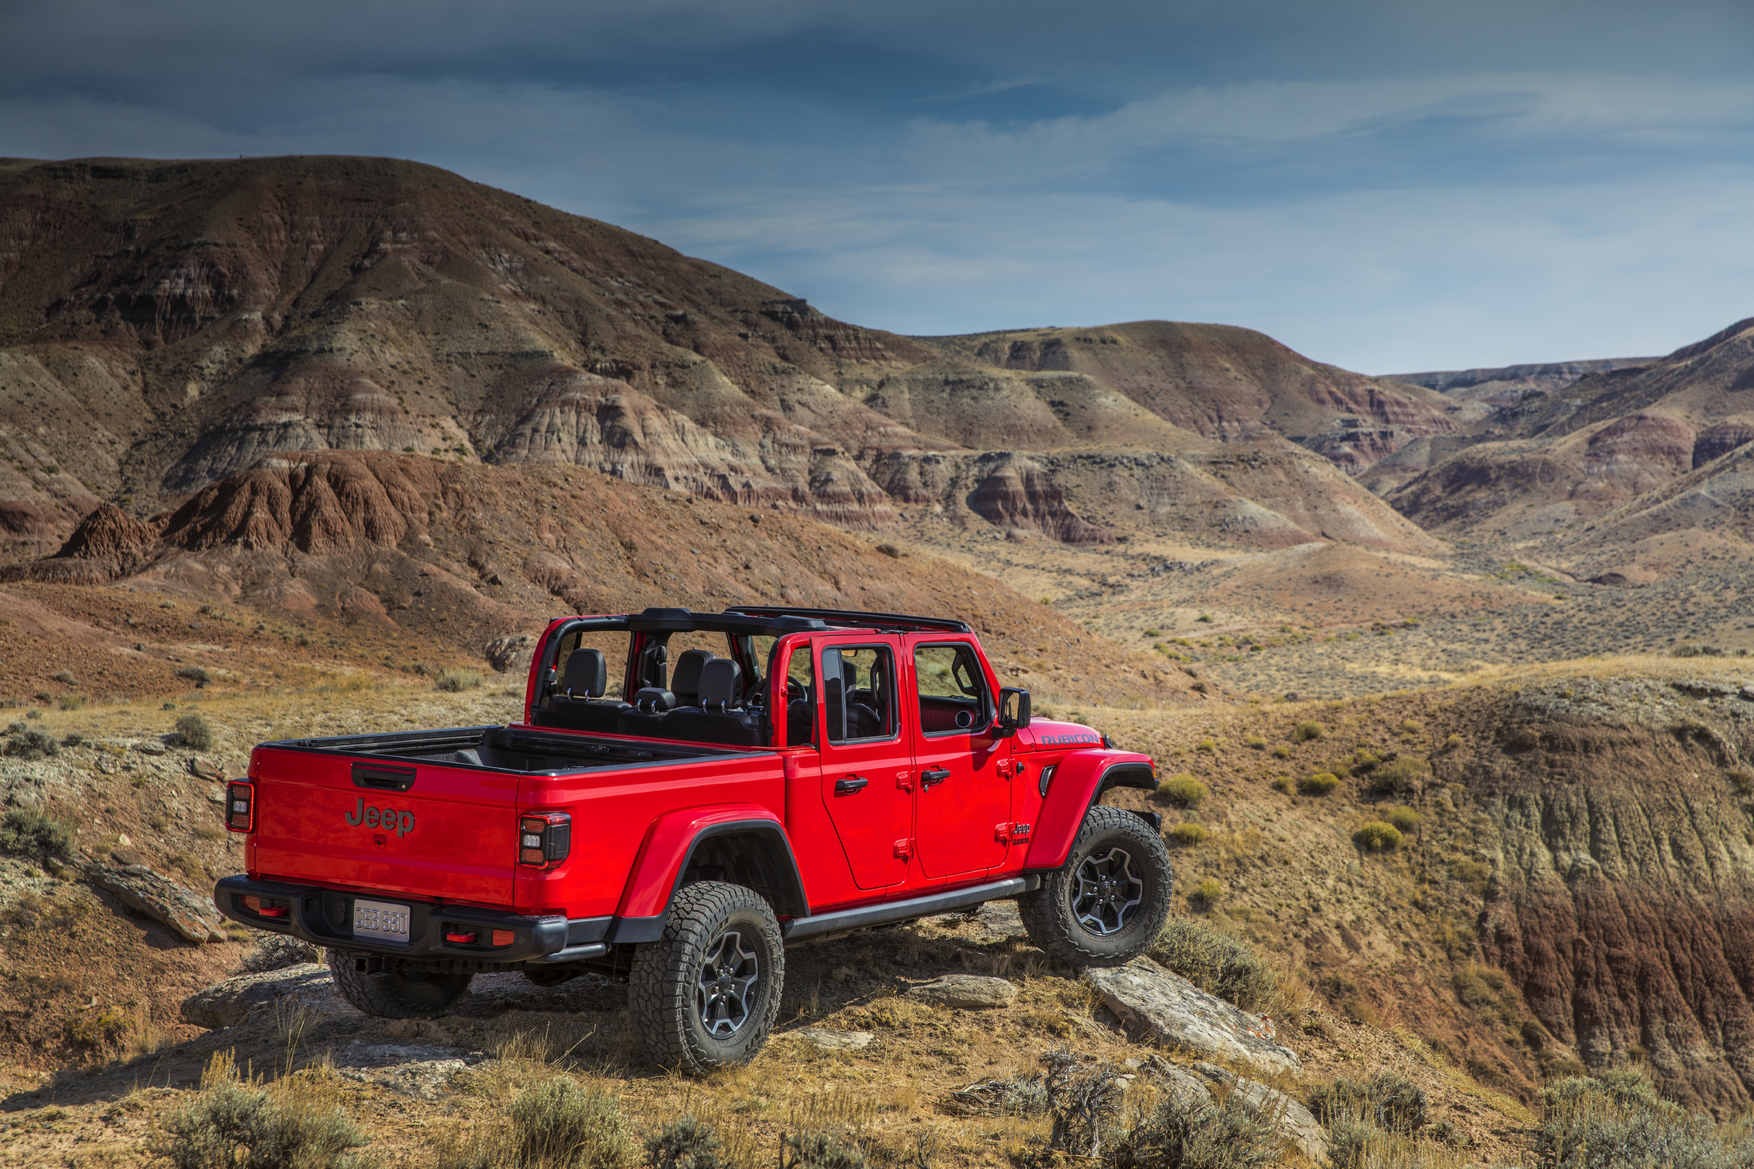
x=904, y=849
x=1009, y=833
x=904, y=780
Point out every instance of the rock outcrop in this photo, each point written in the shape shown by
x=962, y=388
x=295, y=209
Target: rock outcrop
x=1167, y=1009
x=189, y=914
x=965, y=991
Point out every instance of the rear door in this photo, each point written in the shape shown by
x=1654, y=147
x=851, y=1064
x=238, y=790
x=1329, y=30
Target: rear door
x=867, y=780
x=433, y=832
x=964, y=801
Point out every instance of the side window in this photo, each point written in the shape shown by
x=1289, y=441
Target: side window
x=952, y=689
x=858, y=692
x=613, y=647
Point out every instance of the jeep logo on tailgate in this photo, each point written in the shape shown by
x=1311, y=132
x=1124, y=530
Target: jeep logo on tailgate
x=391, y=819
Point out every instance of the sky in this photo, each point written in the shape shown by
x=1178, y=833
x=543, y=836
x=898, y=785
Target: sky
x=1388, y=185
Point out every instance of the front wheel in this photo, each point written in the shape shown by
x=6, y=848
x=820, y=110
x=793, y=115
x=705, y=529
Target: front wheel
x=707, y=992
x=396, y=992
x=1106, y=904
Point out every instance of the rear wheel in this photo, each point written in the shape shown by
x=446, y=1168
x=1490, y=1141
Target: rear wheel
x=1106, y=904
x=399, y=991
x=706, y=993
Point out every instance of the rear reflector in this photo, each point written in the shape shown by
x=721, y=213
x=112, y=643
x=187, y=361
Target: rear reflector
x=240, y=806
x=544, y=839
x=265, y=906
x=503, y=938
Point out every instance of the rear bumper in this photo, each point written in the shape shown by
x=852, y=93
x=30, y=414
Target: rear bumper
x=324, y=918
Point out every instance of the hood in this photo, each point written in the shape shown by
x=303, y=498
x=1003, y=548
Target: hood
x=1045, y=734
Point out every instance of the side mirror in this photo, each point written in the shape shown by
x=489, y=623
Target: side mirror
x=1013, y=711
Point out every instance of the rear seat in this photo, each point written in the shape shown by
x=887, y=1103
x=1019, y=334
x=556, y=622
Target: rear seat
x=717, y=717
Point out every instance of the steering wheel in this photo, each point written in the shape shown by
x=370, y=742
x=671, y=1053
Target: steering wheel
x=795, y=691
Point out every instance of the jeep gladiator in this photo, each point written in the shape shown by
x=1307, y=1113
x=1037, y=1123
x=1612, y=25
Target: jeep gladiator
x=792, y=773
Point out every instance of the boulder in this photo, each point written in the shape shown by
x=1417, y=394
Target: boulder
x=228, y=1003
x=826, y=1039
x=1168, y=1009
x=511, y=652
x=190, y=914
x=970, y=991
x=1294, y=1121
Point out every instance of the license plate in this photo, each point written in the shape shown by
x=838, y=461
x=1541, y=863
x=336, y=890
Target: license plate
x=382, y=920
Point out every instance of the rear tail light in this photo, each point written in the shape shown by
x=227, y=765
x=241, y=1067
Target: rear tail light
x=459, y=937
x=544, y=839
x=240, y=806
x=268, y=907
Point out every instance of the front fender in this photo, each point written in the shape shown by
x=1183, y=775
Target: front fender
x=670, y=842
x=1079, y=781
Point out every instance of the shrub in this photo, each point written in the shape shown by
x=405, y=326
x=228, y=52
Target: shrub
x=27, y=832
x=1207, y=746
x=73, y=739
x=1255, y=743
x=1187, y=834
x=1184, y=791
x=1205, y=895
x=890, y=550
x=1619, y=1120
x=1404, y=819
x=29, y=743
x=194, y=674
x=65, y=677
x=192, y=731
x=1305, y=732
x=1281, y=752
x=231, y=1126
x=1224, y=1134
x=1365, y=761
x=821, y=1150
x=1377, y=836
x=1215, y=962
x=1453, y=742
x=685, y=1144
x=560, y=1123
x=1386, y=1101
x=1402, y=776
x=276, y=952
x=1319, y=784
x=453, y=681
x=100, y=1032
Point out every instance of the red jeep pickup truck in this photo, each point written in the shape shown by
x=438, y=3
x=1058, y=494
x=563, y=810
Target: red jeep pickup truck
x=747, y=779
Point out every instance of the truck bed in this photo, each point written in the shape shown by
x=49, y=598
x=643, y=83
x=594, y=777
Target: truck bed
x=509, y=749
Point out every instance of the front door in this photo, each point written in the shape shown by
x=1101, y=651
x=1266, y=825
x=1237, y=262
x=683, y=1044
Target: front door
x=867, y=768
x=965, y=795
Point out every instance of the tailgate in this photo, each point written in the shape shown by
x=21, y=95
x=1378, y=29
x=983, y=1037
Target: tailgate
x=433, y=832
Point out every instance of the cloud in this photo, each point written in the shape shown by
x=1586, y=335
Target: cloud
x=1328, y=173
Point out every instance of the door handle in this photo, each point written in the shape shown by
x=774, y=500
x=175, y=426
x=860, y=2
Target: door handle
x=849, y=785
x=934, y=775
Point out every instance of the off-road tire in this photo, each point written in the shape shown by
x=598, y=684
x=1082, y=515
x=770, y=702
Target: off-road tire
x=1048, y=912
x=666, y=986
x=399, y=993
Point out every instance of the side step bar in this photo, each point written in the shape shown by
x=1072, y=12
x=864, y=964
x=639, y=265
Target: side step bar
x=892, y=911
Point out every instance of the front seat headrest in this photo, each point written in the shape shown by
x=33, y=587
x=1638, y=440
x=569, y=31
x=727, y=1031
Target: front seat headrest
x=685, y=681
x=587, y=676
x=720, y=683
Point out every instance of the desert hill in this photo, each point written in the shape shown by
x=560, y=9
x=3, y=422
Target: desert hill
x=1506, y=384
x=164, y=325
x=1554, y=462
x=406, y=560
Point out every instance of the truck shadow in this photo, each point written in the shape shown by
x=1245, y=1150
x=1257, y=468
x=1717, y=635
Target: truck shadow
x=581, y=1024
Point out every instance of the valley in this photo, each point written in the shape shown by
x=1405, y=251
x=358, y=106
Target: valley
x=316, y=445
